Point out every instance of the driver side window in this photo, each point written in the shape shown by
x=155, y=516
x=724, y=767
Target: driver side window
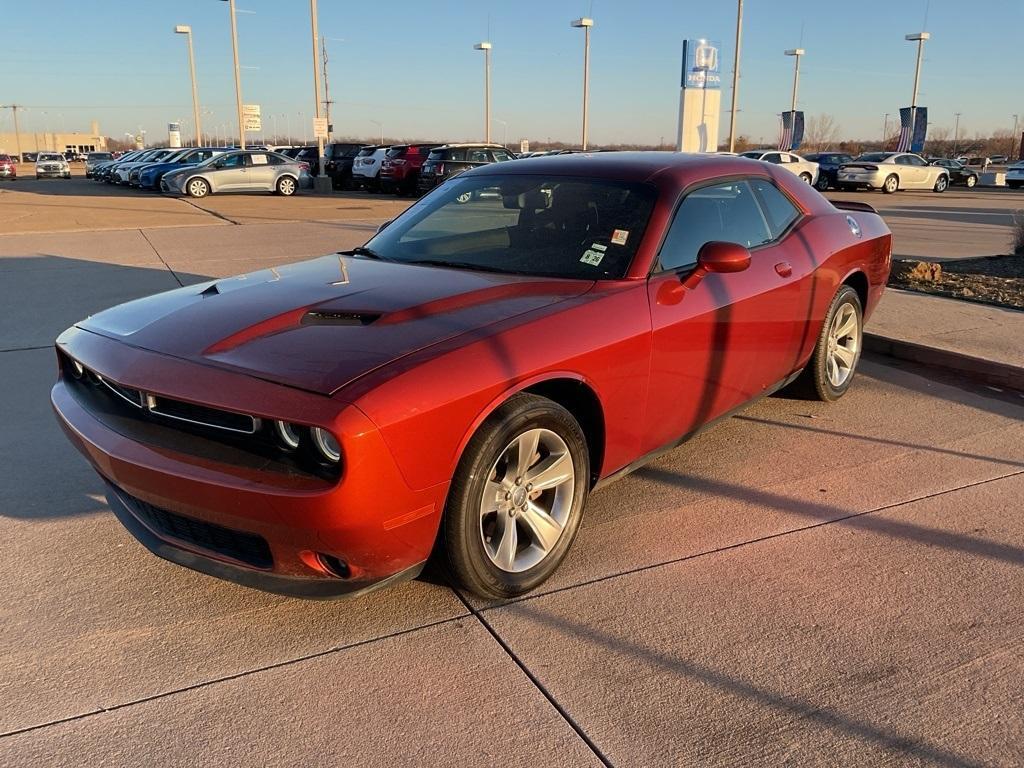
x=726, y=212
x=232, y=161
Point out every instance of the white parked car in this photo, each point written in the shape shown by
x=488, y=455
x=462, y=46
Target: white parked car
x=892, y=171
x=52, y=164
x=1015, y=175
x=805, y=169
x=366, y=167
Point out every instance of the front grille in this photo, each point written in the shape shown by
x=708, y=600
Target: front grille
x=248, y=548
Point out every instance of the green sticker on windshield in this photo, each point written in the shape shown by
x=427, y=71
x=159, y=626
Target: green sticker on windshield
x=592, y=257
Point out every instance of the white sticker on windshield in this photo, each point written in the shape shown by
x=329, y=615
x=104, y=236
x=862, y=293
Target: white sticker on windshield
x=620, y=236
x=592, y=257
x=599, y=247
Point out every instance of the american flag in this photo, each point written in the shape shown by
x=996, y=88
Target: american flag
x=786, y=134
x=906, y=129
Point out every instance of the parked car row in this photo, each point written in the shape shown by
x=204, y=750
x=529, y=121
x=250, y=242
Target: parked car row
x=201, y=171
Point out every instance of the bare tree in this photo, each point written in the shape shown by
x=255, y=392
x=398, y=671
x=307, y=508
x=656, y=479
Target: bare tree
x=820, y=132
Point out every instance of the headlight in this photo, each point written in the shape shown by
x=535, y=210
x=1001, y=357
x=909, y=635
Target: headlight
x=287, y=434
x=326, y=444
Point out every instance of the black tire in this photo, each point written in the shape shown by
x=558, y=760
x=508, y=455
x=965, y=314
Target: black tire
x=805, y=177
x=1013, y=184
x=197, y=187
x=286, y=186
x=941, y=184
x=462, y=529
x=891, y=184
x=822, y=183
x=970, y=181
x=813, y=382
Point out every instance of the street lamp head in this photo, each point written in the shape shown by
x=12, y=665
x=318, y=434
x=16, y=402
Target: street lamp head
x=183, y=29
x=795, y=52
x=918, y=36
x=484, y=46
x=584, y=22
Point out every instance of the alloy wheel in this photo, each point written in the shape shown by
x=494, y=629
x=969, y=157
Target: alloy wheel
x=843, y=345
x=286, y=186
x=527, y=500
x=197, y=188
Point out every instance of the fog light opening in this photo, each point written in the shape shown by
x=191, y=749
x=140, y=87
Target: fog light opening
x=334, y=565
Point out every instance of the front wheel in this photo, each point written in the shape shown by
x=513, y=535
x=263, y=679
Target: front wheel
x=198, y=188
x=517, y=498
x=830, y=370
x=286, y=186
x=971, y=181
x=822, y=183
x=941, y=183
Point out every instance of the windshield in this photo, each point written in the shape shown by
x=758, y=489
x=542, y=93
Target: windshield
x=555, y=226
x=99, y=156
x=45, y=156
x=874, y=157
x=753, y=155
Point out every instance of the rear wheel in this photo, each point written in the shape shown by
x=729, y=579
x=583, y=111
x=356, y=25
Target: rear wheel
x=286, y=186
x=517, y=498
x=197, y=188
x=1013, y=184
x=941, y=183
x=806, y=177
x=891, y=184
x=830, y=370
x=822, y=183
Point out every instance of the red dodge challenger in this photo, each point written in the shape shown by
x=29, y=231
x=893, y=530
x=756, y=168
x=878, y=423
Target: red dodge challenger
x=461, y=383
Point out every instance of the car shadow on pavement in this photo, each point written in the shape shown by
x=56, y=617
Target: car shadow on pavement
x=780, y=702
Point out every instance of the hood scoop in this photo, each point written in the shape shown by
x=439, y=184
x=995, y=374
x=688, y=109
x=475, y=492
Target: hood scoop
x=328, y=317
x=210, y=290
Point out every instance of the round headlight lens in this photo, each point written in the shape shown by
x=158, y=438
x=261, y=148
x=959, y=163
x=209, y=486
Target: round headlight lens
x=326, y=444
x=287, y=434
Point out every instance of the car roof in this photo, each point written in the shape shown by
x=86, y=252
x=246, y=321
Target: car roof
x=673, y=167
x=471, y=144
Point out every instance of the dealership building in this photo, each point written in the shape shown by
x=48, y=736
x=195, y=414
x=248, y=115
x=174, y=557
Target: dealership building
x=34, y=141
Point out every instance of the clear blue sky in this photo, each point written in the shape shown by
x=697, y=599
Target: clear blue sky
x=411, y=64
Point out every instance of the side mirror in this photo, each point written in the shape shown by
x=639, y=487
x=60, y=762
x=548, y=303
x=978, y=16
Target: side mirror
x=722, y=257
x=383, y=226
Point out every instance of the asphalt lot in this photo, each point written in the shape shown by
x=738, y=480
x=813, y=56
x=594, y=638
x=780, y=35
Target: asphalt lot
x=802, y=584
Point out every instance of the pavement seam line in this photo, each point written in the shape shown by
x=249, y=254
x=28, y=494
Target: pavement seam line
x=536, y=682
x=749, y=542
x=162, y=261
x=229, y=678
x=207, y=210
x=27, y=349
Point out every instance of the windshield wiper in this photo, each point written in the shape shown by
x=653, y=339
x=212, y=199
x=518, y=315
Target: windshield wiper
x=362, y=250
x=457, y=265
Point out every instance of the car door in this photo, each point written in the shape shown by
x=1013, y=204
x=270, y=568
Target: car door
x=262, y=174
x=721, y=339
x=229, y=173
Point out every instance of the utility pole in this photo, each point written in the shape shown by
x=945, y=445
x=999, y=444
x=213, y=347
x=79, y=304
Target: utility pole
x=1013, y=140
x=885, y=129
x=327, y=89
x=585, y=24
x=919, y=38
x=321, y=183
x=185, y=29
x=238, y=76
x=17, y=133
x=796, y=53
x=956, y=132
x=736, y=75
x=485, y=46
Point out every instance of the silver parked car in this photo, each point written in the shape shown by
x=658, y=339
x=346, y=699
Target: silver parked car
x=239, y=171
x=892, y=171
x=805, y=169
x=52, y=164
x=93, y=159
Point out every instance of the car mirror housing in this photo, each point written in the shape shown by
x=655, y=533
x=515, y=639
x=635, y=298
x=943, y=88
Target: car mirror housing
x=722, y=257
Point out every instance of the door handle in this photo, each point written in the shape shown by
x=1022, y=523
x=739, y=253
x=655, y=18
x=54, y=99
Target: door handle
x=784, y=268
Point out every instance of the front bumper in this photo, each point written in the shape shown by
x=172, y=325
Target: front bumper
x=370, y=520
x=8, y=173
x=54, y=172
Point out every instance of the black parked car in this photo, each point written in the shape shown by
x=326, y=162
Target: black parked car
x=452, y=159
x=338, y=159
x=958, y=172
x=828, y=166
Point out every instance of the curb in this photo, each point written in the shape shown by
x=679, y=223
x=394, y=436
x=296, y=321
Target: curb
x=990, y=372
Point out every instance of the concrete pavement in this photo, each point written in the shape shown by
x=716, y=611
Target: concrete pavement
x=804, y=583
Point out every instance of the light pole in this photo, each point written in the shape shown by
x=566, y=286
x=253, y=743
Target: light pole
x=238, y=75
x=956, y=132
x=586, y=24
x=919, y=38
x=321, y=182
x=1013, y=139
x=885, y=129
x=380, y=125
x=796, y=53
x=486, y=48
x=185, y=29
x=736, y=75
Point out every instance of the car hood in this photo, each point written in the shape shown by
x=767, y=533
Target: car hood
x=320, y=324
